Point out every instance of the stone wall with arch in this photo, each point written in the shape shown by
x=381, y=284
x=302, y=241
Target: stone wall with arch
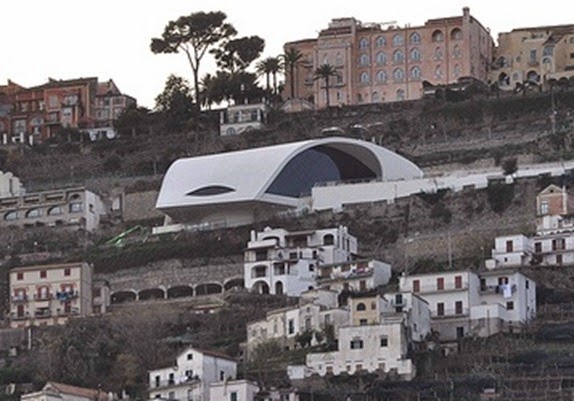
x=175, y=278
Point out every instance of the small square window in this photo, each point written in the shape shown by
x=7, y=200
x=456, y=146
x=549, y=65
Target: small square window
x=67, y=272
x=20, y=276
x=43, y=274
x=510, y=305
x=384, y=342
x=189, y=357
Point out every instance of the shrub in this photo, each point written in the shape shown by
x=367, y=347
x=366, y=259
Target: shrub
x=500, y=196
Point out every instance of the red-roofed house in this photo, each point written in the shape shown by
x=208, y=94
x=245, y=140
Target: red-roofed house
x=53, y=391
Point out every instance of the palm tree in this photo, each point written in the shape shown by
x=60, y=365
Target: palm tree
x=326, y=71
x=270, y=67
x=205, y=91
x=263, y=68
x=291, y=59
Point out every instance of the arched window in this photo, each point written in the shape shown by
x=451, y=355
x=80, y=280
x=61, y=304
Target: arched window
x=364, y=59
x=533, y=76
x=398, y=56
x=516, y=77
x=326, y=59
x=381, y=58
x=32, y=213
x=438, y=72
x=381, y=41
x=13, y=215
x=278, y=288
x=398, y=40
x=399, y=75
x=361, y=307
x=438, y=36
x=548, y=50
x=338, y=59
x=364, y=78
x=415, y=54
x=55, y=210
x=381, y=76
x=503, y=79
x=400, y=94
x=416, y=72
x=456, y=34
x=438, y=53
x=456, y=71
x=456, y=53
x=415, y=38
x=375, y=97
x=329, y=239
x=364, y=43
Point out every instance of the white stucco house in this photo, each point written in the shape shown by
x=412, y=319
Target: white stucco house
x=317, y=309
x=464, y=303
x=281, y=262
x=191, y=376
x=377, y=340
x=356, y=275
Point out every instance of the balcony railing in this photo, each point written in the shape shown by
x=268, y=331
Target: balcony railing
x=450, y=313
x=42, y=313
x=66, y=295
x=43, y=297
x=15, y=316
x=176, y=382
x=496, y=289
x=19, y=298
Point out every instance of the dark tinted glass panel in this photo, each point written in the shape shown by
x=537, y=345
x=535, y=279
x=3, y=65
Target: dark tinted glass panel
x=211, y=190
x=316, y=165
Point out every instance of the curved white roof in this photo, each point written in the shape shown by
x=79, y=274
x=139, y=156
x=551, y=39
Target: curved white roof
x=247, y=174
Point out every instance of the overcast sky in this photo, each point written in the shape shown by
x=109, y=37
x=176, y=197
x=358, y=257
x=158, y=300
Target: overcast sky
x=109, y=39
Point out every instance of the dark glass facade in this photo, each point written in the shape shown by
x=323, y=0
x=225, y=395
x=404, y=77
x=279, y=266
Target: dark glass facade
x=315, y=165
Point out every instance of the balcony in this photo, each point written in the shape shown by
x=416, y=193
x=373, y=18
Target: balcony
x=451, y=313
x=43, y=297
x=345, y=275
x=176, y=382
x=496, y=289
x=66, y=295
x=19, y=298
x=70, y=312
x=15, y=317
x=42, y=313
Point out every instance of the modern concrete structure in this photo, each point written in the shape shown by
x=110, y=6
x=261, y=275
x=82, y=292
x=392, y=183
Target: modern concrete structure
x=191, y=377
x=50, y=294
x=233, y=188
x=377, y=62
